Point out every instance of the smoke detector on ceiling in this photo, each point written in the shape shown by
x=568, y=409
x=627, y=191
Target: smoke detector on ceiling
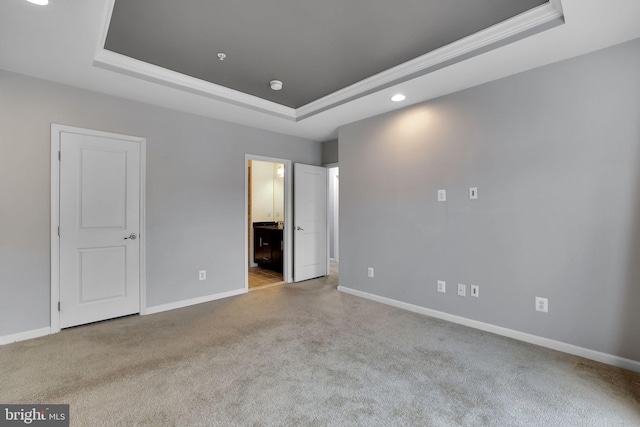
x=275, y=84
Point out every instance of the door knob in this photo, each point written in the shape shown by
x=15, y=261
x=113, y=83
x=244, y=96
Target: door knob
x=299, y=228
x=132, y=236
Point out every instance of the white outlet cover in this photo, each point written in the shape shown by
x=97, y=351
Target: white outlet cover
x=542, y=304
x=442, y=195
x=370, y=271
x=475, y=291
x=462, y=290
x=202, y=275
x=269, y=214
x=473, y=193
x=442, y=286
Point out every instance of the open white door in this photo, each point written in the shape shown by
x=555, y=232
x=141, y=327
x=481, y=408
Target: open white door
x=310, y=222
x=100, y=226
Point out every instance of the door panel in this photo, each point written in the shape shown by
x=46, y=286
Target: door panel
x=310, y=223
x=99, y=211
x=103, y=187
x=102, y=273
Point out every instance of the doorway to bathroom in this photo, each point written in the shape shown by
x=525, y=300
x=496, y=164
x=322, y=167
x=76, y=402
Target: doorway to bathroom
x=266, y=214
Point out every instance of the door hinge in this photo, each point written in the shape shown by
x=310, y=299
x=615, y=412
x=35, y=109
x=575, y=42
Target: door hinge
x=59, y=155
x=58, y=231
x=58, y=305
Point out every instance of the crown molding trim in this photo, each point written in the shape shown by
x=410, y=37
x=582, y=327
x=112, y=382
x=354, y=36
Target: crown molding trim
x=474, y=44
x=106, y=21
x=519, y=24
x=123, y=64
x=113, y=61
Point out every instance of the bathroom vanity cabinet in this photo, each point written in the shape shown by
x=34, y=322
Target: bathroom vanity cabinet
x=268, y=245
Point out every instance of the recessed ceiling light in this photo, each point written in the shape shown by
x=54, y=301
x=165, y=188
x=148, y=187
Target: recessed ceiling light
x=398, y=97
x=39, y=2
x=222, y=56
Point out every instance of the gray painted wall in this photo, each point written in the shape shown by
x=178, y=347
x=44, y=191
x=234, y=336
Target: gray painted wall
x=555, y=155
x=330, y=152
x=195, y=192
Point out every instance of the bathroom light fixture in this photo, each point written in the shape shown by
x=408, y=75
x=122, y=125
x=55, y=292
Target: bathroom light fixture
x=39, y=2
x=275, y=84
x=398, y=97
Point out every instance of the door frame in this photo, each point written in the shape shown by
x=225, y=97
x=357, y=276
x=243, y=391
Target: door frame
x=336, y=232
x=287, y=269
x=56, y=131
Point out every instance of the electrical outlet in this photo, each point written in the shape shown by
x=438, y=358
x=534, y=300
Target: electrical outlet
x=475, y=291
x=370, y=271
x=462, y=290
x=473, y=193
x=202, y=275
x=542, y=304
x=268, y=214
x=442, y=195
x=442, y=286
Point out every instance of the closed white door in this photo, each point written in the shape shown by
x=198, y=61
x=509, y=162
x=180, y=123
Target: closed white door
x=310, y=222
x=99, y=227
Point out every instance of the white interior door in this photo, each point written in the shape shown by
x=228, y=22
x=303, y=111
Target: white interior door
x=310, y=222
x=100, y=211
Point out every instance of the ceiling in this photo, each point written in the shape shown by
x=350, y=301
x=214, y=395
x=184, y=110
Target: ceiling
x=314, y=47
x=65, y=42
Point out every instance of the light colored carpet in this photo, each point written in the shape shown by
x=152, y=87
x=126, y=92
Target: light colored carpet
x=307, y=355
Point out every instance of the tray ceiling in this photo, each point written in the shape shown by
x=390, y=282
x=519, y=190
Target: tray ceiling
x=321, y=51
x=64, y=43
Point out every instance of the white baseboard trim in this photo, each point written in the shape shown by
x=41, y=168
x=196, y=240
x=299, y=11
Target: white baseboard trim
x=26, y=335
x=609, y=359
x=192, y=301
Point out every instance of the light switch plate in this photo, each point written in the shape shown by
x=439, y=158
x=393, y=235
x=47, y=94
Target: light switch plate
x=473, y=193
x=462, y=290
x=475, y=291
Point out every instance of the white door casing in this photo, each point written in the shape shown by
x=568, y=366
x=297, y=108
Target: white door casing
x=288, y=216
x=333, y=209
x=310, y=222
x=100, y=267
x=336, y=216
